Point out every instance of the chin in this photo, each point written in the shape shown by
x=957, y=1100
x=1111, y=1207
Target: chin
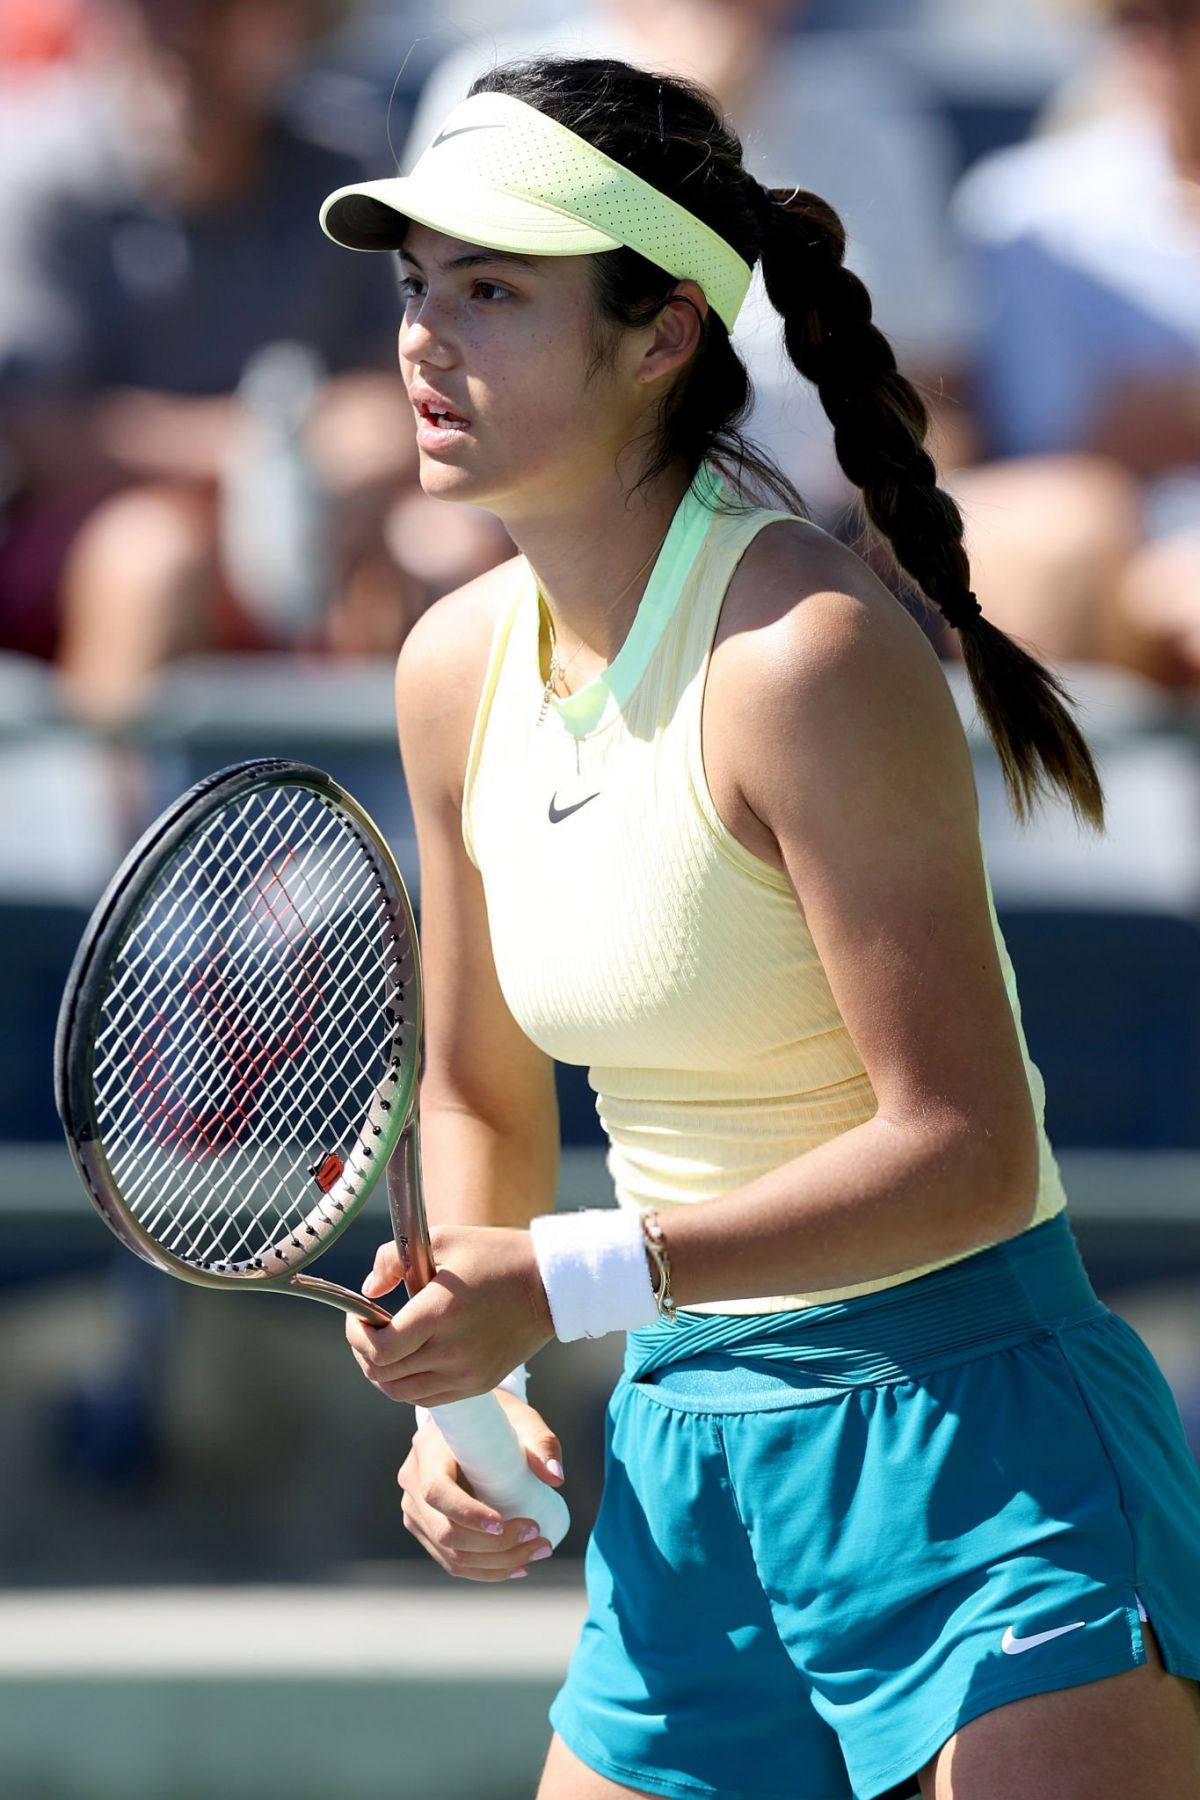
x=447, y=481
x=451, y=481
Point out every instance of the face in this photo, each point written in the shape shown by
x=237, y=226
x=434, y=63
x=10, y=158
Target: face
x=506, y=343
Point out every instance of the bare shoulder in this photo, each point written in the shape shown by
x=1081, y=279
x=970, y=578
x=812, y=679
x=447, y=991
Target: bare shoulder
x=802, y=604
x=441, y=668
x=816, y=666
x=449, y=643
x=819, y=639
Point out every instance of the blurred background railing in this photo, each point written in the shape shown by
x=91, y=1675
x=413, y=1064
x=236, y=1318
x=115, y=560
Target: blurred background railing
x=212, y=542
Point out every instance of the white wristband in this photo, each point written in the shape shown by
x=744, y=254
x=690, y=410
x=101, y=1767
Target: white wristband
x=594, y=1270
x=516, y=1383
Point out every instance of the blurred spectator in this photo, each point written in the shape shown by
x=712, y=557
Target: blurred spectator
x=39, y=33
x=165, y=235
x=821, y=111
x=1085, y=252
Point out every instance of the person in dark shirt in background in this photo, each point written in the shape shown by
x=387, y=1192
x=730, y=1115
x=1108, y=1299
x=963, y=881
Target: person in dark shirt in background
x=155, y=264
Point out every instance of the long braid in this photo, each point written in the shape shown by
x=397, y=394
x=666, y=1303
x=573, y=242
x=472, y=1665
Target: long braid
x=879, y=425
x=669, y=132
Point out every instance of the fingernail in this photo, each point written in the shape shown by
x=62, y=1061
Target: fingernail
x=517, y=1575
x=527, y=1537
x=539, y=1555
x=555, y=1468
x=493, y=1525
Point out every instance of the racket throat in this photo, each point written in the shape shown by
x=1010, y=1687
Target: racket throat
x=406, y=1203
x=311, y=1287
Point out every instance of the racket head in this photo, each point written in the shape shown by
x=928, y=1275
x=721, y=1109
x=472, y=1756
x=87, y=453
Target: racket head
x=238, y=1043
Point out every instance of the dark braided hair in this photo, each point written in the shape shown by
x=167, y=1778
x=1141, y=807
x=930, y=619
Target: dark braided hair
x=668, y=131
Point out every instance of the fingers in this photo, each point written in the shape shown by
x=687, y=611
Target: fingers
x=465, y=1537
x=472, y=1555
x=387, y=1272
x=432, y=1476
x=544, y=1456
x=386, y=1353
x=543, y=1452
x=403, y=1361
x=413, y=1387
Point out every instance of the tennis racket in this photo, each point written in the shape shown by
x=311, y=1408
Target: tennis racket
x=236, y=1062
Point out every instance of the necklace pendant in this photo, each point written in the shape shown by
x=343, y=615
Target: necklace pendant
x=552, y=677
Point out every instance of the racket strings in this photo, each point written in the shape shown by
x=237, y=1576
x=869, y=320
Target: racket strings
x=143, y=1004
x=265, y=904
x=220, y=1239
x=249, y=1025
x=244, y=1052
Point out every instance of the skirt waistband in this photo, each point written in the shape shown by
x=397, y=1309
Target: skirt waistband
x=992, y=1299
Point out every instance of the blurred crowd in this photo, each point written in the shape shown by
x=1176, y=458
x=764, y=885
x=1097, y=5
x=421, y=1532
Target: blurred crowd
x=204, y=441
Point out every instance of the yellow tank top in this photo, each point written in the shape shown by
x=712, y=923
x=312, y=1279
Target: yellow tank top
x=633, y=933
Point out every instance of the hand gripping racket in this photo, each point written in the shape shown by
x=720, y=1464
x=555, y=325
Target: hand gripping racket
x=237, y=1057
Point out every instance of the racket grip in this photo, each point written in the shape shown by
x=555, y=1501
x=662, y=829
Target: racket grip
x=487, y=1452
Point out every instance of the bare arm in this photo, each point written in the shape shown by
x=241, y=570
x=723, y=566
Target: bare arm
x=488, y=1108
x=854, y=764
x=1149, y=424
x=128, y=432
x=358, y=435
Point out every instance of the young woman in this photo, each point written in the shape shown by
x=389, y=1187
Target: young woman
x=893, y=1496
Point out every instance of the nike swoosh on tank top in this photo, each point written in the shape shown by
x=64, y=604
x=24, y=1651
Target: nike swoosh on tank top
x=636, y=935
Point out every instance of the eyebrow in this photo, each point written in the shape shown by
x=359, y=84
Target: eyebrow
x=474, y=259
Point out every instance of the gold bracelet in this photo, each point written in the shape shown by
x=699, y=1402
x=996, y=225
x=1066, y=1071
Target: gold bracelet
x=656, y=1250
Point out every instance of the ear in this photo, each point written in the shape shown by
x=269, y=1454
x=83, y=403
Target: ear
x=676, y=333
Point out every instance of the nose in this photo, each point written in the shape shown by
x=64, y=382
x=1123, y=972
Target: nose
x=423, y=335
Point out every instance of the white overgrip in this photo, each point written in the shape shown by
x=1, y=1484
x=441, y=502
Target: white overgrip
x=486, y=1449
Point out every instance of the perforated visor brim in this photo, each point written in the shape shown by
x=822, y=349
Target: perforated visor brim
x=374, y=215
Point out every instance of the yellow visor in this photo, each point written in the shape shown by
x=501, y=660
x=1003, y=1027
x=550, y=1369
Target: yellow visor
x=503, y=175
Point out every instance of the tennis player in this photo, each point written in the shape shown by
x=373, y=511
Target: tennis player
x=889, y=1493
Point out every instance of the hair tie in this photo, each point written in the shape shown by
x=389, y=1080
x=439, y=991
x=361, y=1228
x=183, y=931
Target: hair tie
x=762, y=204
x=959, y=613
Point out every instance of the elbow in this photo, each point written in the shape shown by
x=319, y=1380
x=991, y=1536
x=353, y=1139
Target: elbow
x=1011, y=1178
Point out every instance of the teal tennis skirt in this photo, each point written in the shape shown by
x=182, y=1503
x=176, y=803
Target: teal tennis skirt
x=831, y=1537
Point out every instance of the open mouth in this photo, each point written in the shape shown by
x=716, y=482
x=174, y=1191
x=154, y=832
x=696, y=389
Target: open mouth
x=441, y=417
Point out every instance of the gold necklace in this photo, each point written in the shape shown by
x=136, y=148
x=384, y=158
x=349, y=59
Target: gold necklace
x=557, y=671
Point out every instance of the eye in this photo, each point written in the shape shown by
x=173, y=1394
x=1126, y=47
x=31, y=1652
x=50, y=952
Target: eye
x=410, y=287
x=493, y=291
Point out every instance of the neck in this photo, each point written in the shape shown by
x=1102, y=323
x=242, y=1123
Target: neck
x=593, y=559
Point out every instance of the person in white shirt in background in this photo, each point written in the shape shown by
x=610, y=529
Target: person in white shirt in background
x=1084, y=246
